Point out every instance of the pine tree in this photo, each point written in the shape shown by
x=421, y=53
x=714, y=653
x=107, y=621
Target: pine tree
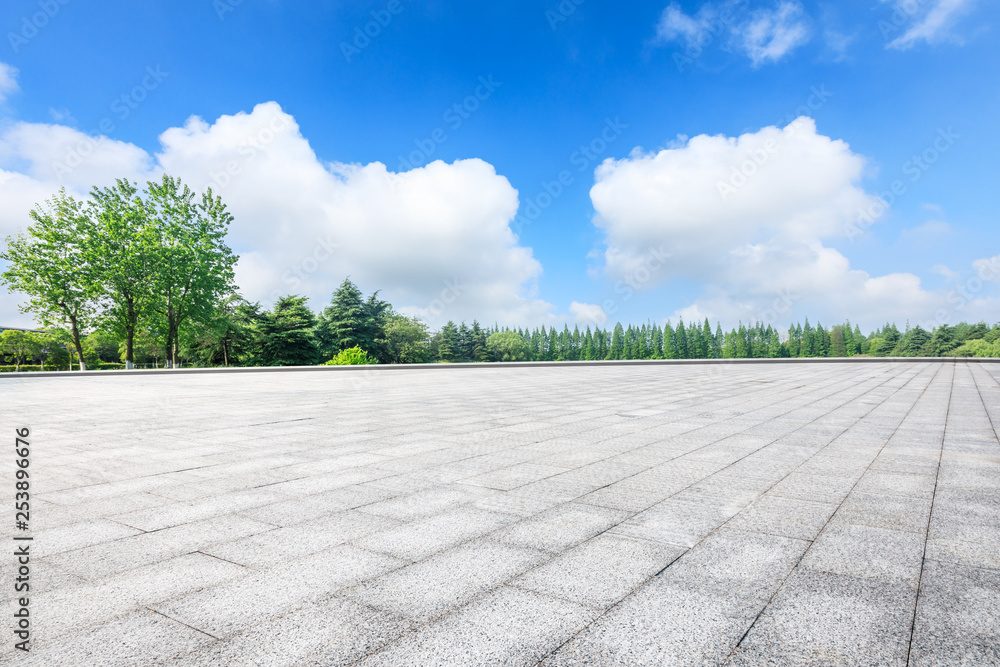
x=669, y=342
x=448, y=349
x=681, y=341
x=285, y=335
x=618, y=342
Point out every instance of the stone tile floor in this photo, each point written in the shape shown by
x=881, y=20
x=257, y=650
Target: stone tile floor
x=746, y=514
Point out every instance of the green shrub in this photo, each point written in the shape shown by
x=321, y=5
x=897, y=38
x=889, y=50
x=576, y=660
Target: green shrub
x=352, y=356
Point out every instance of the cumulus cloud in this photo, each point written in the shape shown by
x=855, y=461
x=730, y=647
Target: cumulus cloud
x=8, y=81
x=436, y=240
x=930, y=22
x=587, y=313
x=747, y=217
x=763, y=35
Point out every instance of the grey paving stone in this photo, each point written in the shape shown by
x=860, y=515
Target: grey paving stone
x=331, y=631
x=141, y=637
x=880, y=554
x=227, y=608
x=264, y=467
x=418, y=539
x=441, y=583
x=788, y=517
x=958, y=616
x=561, y=527
x=695, y=612
x=103, y=560
x=507, y=627
x=828, y=619
x=883, y=511
x=79, y=535
x=677, y=522
x=600, y=571
x=74, y=608
x=279, y=545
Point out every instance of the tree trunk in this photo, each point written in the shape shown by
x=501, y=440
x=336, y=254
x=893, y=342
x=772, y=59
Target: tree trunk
x=172, y=327
x=225, y=354
x=129, y=345
x=77, y=345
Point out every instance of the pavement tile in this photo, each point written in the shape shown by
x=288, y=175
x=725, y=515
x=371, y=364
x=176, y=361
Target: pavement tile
x=509, y=627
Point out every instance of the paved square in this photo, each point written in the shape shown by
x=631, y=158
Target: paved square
x=704, y=514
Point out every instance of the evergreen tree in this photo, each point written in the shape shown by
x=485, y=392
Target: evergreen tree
x=617, y=343
x=448, y=349
x=478, y=349
x=285, y=335
x=681, y=341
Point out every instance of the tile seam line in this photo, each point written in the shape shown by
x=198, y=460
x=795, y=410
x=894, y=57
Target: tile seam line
x=930, y=514
x=813, y=541
x=688, y=549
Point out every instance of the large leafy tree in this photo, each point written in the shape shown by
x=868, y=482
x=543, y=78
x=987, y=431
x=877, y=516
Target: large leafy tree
x=125, y=255
x=507, y=346
x=286, y=334
x=194, y=266
x=54, y=264
x=406, y=340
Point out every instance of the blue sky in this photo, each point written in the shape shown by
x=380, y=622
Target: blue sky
x=305, y=106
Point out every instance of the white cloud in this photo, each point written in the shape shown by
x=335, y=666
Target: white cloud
x=436, y=240
x=8, y=81
x=763, y=35
x=675, y=24
x=587, y=313
x=770, y=35
x=747, y=217
x=932, y=23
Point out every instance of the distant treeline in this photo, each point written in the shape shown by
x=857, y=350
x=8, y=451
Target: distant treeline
x=241, y=333
x=144, y=276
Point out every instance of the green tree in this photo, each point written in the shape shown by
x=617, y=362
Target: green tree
x=406, y=340
x=53, y=265
x=352, y=356
x=193, y=267
x=618, y=342
x=351, y=320
x=18, y=344
x=507, y=346
x=286, y=334
x=124, y=254
x=448, y=342
x=479, y=351
x=838, y=346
